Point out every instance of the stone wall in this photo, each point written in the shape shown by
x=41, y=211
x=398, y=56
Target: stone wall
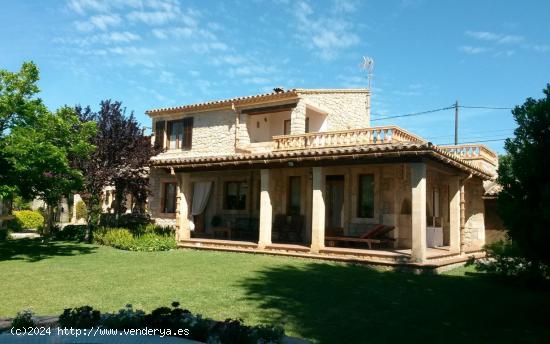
x=346, y=110
x=213, y=133
x=156, y=178
x=474, y=231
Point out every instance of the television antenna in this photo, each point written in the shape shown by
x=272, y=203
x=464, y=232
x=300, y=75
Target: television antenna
x=368, y=65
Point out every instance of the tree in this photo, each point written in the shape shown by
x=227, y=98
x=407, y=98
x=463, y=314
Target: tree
x=524, y=203
x=121, y=158
x=19, y=107
x=39, y=156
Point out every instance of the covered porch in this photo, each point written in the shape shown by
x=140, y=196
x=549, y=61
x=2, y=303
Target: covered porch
x=332, y=210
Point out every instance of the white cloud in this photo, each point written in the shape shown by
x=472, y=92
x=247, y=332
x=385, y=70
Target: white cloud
x=495, y=37
x=541, y=48
x=473, y=50
x=151, y=18
x=326, y=34
x=101, y=22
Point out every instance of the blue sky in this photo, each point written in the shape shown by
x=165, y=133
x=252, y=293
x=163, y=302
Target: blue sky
x=157, y=53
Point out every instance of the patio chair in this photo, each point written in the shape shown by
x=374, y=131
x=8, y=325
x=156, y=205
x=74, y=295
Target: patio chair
x=377, y=234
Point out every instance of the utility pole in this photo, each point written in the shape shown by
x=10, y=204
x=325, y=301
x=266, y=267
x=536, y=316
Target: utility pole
x=456, y=122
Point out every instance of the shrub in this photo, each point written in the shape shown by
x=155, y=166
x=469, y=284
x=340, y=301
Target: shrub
x=4, y=234
x=81, y=317
x=27, y=219
x=126, y=318
x=504, y=258
x=131, y=221
x=173, y=318
x=122, y=238
x=71, y=232
x=81, y=210
x=23, y=320
x=115, y=237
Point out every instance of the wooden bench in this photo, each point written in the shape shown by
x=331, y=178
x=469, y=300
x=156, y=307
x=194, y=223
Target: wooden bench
x=374, y=236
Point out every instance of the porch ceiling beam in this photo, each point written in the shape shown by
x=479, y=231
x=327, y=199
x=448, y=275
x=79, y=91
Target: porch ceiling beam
x=301, y=162
x=269, y=109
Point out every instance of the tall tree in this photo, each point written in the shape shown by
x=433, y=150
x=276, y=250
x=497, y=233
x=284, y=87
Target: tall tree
x=121, y=158
x=524, y=203
x=19, y=107
x=39, y=156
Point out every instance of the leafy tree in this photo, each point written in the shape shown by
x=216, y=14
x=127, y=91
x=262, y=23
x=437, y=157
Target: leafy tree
x=524, y=203
x=19, y=107
x=39, y=156
x=121, y=158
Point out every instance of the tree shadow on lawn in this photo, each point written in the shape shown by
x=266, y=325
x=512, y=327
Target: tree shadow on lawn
x=33, y=250
x=333, y=303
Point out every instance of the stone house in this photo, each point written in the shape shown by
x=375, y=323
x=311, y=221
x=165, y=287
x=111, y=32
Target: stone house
x=282, y=171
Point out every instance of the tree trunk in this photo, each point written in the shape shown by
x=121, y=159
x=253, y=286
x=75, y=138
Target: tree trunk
x=89, y=221
x=49, y=220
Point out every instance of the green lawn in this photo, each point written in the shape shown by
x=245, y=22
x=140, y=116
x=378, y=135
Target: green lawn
x=324, y=302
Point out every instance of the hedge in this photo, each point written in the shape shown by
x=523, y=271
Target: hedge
x=27, y=219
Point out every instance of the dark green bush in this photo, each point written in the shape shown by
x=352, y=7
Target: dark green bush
x=131, y=221
x=504, y=258
x=23, y=320
x=174, y=318
x=71, y=232
x=4, y=234
x=81, y=317
x=26, y=219
x=126, y=318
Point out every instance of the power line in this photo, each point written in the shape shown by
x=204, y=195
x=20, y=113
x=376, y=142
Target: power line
x=472, y=133
x=485, y=107
x=413, y=114
x=492, y=140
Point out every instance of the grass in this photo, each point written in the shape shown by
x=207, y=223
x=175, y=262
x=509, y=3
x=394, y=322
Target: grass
x=323, y=302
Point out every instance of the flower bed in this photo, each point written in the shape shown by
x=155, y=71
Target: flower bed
x=172, y=321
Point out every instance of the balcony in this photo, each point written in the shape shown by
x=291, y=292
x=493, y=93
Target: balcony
x=353, y=137
x=475, y=152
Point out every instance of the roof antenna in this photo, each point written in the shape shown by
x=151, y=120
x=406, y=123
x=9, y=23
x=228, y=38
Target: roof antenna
x=368, y=65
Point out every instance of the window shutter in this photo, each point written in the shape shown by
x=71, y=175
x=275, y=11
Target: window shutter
x=187, y=132
x=159, y=133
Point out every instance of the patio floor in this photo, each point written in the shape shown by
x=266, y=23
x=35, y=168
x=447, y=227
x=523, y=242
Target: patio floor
x=438, y=258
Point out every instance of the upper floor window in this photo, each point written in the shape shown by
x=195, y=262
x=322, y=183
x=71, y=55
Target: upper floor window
x=365, y=206
x=159, y=133
x=180, y=133
x=235, y=195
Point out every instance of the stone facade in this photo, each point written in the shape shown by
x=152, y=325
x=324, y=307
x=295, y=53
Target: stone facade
x=404, y=192
x=345, y=110
x=224, y=131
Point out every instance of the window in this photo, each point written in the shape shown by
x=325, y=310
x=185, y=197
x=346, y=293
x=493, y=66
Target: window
x=169, y=198
x=294, y=194
x=159, y=134
x=365, y=207
x=180, y=133
x=286, y=130
x=235, y=195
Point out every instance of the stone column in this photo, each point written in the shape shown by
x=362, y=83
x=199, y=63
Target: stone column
x=183, y=202
x=418, y=185
x=317, y=210
x=298, y=119
x=454, y=214
x=266, y=209
x=462, y=218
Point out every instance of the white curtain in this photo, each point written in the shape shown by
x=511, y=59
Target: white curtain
x=201, y=194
